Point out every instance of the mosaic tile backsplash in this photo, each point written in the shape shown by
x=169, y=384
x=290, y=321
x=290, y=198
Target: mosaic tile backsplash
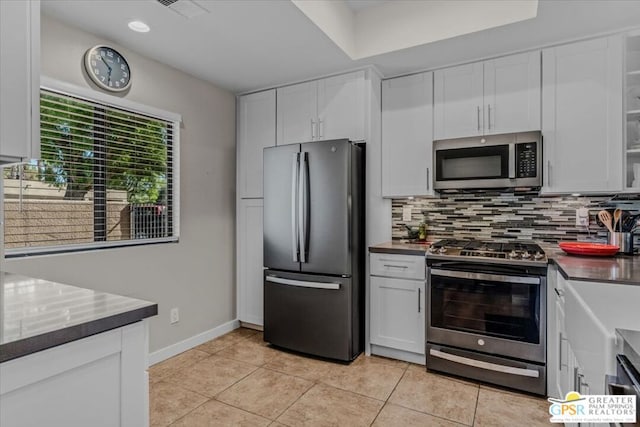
x=507, y=215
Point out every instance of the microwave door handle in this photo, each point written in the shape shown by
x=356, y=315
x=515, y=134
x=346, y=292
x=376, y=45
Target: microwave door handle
x=512, y=161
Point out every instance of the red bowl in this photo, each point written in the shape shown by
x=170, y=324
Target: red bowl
x=589, y=249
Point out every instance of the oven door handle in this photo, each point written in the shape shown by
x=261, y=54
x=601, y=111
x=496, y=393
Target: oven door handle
x=485, y=276
x=485, y=365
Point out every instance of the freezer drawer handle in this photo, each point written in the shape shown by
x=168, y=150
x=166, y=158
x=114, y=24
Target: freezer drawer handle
x=303, y=284
x=485, y=365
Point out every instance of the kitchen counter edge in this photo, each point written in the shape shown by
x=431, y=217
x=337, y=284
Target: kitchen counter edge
x=400, y=248
x=589, y=272
x=131, y=310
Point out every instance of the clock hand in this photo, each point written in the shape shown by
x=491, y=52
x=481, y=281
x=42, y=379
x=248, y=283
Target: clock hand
x=105, y=63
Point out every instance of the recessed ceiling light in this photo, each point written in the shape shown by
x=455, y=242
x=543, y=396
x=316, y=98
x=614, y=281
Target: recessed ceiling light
x=139, y=26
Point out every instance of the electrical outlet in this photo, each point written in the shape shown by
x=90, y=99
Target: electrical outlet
x=175, y=315
x=582, y=217
x=406, y=213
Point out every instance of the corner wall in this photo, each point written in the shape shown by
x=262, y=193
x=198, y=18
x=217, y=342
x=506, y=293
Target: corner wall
x=198, y=273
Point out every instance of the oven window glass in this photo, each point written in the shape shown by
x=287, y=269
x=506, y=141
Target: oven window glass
x=473, y=163
x=496, y=309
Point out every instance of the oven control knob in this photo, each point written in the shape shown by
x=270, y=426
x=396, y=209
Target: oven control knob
x=525, y=255
x=480, y=341
x=442, y=250
x=513, y=254
x=538, y=255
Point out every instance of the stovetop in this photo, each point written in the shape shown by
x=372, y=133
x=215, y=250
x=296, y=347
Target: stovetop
x=514, y=252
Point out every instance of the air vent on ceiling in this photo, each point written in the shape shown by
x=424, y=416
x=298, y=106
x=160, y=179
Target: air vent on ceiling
x=167, y=2
x=185, y=8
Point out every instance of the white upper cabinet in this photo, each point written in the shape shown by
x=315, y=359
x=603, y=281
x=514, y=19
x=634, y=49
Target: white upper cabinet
x=458, y=101
x=19, y=80
x=323, y=109
x=256, y=131
x=341, y=111
x=491, y=97
x=582, y=116
x=407, y=136
x=512, y=93
x=297, y=113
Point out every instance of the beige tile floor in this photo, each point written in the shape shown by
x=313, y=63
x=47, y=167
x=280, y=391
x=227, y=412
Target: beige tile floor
x=238, y=380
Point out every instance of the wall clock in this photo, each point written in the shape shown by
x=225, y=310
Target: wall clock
x=107, y=68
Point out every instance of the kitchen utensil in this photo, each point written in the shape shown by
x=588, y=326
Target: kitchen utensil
x=616, y=218
x=627, y=222
x=623, y=240
x=589, y=249
x=412, y=234
x=606, y=219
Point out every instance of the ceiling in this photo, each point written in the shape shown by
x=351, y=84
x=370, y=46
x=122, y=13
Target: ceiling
x=254, y=44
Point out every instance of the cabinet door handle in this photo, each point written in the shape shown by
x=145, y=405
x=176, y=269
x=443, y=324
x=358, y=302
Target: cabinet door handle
x=320, y=128
x=489, y=114
x=560, y=339
x=427, y=178
x=560, y=351
x=478, y=118
x=549, y=172
x=313, y=129
x=419, y=297
x=559, y=292
x=395, y=266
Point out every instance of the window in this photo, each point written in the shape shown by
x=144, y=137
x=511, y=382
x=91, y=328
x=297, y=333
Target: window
x=105, y=177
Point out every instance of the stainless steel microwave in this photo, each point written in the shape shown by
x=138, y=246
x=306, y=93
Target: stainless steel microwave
x=512, y=160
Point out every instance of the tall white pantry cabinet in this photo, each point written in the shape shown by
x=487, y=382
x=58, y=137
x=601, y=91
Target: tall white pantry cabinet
x=341, y=106
x=256, y=131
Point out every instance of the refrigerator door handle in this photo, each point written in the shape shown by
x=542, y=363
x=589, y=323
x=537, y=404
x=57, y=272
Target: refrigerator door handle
x=303, y=206
x=295, y=171
x=303, y=284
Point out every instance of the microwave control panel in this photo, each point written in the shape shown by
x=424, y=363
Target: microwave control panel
x=526, y=160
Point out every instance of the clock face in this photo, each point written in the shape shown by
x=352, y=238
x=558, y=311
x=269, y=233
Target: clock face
x=107, y=68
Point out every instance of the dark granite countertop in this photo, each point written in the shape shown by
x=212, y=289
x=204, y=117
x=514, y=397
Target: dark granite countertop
x=37, y=314
x=402, y=247
x=622, y=269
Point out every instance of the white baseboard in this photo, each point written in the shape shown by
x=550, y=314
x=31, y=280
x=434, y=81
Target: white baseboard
x=393, y=353
x=189, y=343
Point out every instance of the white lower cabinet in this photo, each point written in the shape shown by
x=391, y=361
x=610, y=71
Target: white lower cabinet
x=581, y=332
x=97, y=381
x=397, y=318
x=250, y=260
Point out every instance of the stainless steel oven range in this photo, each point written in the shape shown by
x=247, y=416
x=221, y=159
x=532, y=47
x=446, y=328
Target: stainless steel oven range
x=487, y=317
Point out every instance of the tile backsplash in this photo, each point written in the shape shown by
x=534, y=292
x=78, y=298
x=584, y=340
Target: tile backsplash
x=506, y=215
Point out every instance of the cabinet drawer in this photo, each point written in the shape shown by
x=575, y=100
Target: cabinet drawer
x=401, y=266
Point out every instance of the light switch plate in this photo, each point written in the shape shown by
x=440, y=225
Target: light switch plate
x=406, y=213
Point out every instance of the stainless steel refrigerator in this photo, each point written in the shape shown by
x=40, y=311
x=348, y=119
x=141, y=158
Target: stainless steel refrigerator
x=314, y=248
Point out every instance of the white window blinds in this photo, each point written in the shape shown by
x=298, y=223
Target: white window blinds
x=105, y=178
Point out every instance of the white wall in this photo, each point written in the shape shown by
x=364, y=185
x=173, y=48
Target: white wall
x=196, y=274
